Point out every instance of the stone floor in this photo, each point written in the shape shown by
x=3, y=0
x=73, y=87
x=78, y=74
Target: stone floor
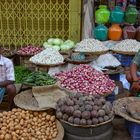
x=120, y=132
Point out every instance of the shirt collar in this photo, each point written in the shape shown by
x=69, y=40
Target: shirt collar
x=1, y=60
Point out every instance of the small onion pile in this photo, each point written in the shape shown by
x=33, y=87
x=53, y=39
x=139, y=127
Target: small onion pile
x=25, y=125
x=48, y=56
x=29, y=50
x=82, y=109
x=85, y=79
x=90, y=45
x=128, y=45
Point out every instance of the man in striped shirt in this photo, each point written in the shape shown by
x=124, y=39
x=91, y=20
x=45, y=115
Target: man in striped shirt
x=7, y=79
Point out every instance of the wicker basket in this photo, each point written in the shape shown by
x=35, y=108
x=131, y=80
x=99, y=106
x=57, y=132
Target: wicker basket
x=24, y=60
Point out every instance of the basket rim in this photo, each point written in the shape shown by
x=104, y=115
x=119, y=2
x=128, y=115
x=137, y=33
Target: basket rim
x=96, y=52
x=47, y=65
x=125, y=53
x=119, y=107
x=87, y=126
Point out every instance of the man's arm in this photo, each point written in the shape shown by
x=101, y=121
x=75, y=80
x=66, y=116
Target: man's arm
x=133, y=72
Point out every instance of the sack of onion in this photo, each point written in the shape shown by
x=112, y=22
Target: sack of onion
x=85, y=79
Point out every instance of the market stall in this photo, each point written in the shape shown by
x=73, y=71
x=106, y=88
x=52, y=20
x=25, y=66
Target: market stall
x=68, y=87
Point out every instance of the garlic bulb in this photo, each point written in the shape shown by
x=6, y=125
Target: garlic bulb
x=128, y=45
x=48, y=56
x=90, y=45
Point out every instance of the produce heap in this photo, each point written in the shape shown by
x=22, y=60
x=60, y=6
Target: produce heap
x=128, y=45
x=85, y=79
x=58, y=44
x=21, y=73
x=82, y=109
x=39, y=79
x=90, y=45
x=20, y=125
x=29, y=50
x=47, y=57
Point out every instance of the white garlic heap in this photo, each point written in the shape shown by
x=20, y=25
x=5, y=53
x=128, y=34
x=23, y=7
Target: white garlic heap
x=90, y=45
x=48, y=56
x=106, y=60
x=127, y=45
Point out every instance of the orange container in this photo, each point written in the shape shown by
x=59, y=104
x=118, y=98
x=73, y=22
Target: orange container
x=115, y=32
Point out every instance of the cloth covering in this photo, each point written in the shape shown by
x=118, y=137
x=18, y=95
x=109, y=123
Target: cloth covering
x=2, y=91
x=88, y=19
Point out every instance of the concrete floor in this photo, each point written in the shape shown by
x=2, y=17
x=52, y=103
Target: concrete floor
x=120, y=132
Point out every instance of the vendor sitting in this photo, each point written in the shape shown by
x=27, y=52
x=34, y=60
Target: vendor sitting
x=7, y=79
x=134, y=75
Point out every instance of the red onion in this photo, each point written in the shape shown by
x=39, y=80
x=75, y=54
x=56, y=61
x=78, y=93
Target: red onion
x=85, y=79
x=30, y=50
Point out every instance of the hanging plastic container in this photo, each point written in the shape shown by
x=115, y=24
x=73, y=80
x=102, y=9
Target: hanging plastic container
x=111, y=4
x=122, y=4
x=102, y=14
x=115, y=32
x=129, y=32
x=131, y=14
x=100, y=32
x=138, y=34
x=116, y=15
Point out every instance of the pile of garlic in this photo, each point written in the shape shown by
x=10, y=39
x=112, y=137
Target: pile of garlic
x=90, y=45
x=128, y=45
x=48, y=56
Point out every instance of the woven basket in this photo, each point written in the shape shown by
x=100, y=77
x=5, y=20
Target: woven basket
x=125, y=53
x=24, y=60
x=120, y=108
x=93, y=53
x=88, y=126
x=45, y=68
x=115, y=71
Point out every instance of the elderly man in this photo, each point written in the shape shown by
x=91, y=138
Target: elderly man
x=7, y=79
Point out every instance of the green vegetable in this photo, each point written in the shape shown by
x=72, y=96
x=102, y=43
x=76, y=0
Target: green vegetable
x=20, y=73
x=39, y=79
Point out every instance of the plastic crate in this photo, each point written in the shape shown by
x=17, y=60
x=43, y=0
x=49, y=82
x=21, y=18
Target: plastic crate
x=111, y=98
x=34, y=21
x=125, y=60
x=115, y=77
x=134, y=129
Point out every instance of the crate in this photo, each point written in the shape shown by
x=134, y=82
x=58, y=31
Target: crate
x=133, y=129
x=125, y=60
x=111, y=97
x=34, y=21
x=115, y=77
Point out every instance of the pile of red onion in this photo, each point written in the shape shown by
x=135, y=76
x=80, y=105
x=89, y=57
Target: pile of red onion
x=85, y=79
x=30, y=50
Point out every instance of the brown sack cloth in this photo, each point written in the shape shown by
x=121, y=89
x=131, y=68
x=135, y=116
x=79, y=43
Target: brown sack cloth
x=47, y=96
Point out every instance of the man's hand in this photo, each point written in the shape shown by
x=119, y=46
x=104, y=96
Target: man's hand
x=136, y=86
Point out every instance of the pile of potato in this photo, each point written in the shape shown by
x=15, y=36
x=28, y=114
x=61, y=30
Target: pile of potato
x=25, y=125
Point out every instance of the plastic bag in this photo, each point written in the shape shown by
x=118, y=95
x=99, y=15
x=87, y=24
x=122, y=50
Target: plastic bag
x=129, y=32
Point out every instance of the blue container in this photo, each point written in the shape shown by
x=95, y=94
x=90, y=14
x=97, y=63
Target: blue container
x=111, y=97
x=134, y=129
x=100, y=33
x=125, y=60
x=116, y=15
